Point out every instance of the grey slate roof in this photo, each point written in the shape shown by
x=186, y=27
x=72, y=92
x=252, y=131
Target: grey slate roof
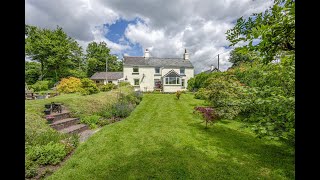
x=110, y=75
x=156, y=62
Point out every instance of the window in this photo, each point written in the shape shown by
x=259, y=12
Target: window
x=157, y=70
x=109, y=81
x=182, y=71
x=172, y=80
x=97, y=81
x=136, y=82
x=182, y=82
x=136, y=69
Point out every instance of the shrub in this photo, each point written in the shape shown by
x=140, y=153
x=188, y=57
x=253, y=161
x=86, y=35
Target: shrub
x=202, y=93
x=107, y=114
x=207, y=113
x=69, y=85
x=40, y=86
x=36, y=136
x=103, y=122
x=178, y=94
x=88, y=87
x=122, y=109
x=71, y=142
x=133, y=97
x=52, y=153
x=124, y=84
x=107, y=87
x=30, y=169
x=91, y=120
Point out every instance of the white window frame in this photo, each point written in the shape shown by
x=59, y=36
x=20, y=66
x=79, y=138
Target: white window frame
x=178, y=80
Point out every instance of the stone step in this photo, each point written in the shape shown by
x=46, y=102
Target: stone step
x=74, y=129
x=60, y=116
x=64, y=123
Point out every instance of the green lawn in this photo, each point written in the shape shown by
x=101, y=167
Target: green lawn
x=162, y=139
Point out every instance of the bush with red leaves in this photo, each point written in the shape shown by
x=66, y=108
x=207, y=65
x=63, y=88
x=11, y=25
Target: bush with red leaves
x=208, y=113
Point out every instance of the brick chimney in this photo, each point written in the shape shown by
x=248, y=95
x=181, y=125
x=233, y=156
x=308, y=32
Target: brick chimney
x=185, y=55
x=146, y=54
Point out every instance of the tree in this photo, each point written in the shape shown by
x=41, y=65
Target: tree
x=56, y=52
x=32, y=72
x=274, y=30
x=97, y=55
x=236, y=58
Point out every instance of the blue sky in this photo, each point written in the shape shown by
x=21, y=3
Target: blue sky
x=116, y=34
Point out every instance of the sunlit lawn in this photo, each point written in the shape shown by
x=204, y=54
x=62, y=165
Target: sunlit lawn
x=163, y=139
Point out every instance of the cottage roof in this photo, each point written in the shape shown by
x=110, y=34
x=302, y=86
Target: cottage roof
x=156, y=62
x=110, y=75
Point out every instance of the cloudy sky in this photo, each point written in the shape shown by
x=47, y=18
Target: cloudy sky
x=165, y=27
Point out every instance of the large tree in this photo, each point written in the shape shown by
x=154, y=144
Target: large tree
x=32, y=72
x=236, y=58
x=58, y=54
x=273, y=30
x=96, y=57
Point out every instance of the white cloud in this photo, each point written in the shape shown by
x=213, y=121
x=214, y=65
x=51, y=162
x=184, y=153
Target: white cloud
x=167, y=28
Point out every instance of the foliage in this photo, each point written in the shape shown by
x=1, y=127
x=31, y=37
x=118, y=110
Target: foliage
x=123, y=83
x=262, y=95
x=178, y=94
x=56, y=52
x=202, y=93
x=122, y=109
x=96, y=57
x=274, y=30
x=71, y=142
x=37, y=133
x=134, y=97
x=197, y=82
x=69, y=85
x=103, y=122
x=30, y=168
x=88, y=87
x=51, y=153
x=91, y=120
x=236, y=58
x=32, y=72
x=107, y=87
x=225, y=93
x=207, y=113
x=40, y=86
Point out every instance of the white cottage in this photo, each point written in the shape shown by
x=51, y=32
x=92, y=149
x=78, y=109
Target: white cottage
x=103, y=77
x=148, y=73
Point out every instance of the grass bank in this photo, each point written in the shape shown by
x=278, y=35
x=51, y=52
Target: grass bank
x=40, y=138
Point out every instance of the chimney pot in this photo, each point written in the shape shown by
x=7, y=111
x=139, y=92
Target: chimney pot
x=146, y=54
x=185, y=55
